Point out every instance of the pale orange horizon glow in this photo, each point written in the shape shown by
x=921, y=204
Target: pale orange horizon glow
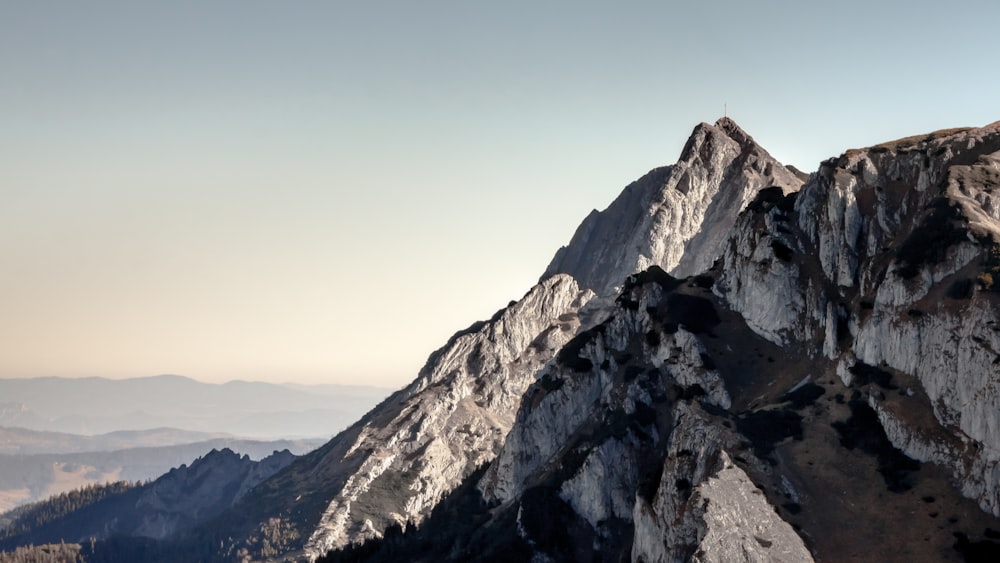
x=325, y=192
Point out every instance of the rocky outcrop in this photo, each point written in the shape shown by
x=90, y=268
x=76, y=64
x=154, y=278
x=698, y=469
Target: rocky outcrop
x=619, y=450
x=676, y=217
x=627, y=395
x=740, y=525
x=189, y=495
x=422, y=443
x=885, y=258
x=590, y=371
x=726, y=518
x=179, y=501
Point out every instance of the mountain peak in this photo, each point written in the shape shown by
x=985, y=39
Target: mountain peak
x=716, y=135
x=658, y=219
x=734, y=131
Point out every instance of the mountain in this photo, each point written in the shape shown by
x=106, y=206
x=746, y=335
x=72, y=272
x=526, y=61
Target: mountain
x=25, y=442
x=670, y=429
x=173, y=503
x=26, y=478
x=731, y=362
x=396, y=463
x=676, y=217
x=242, y=408
x=839, y=357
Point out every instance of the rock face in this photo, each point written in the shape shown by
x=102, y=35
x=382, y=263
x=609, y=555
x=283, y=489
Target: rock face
x=419, y=445
x=676, y=217
x=188, y=496
x=739, y=524
x=615, y=403
x=888, y=255
x=172, y=505
x=622, y=448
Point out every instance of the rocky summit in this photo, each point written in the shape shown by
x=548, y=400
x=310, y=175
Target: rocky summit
x=676, y=217
x=734, y=361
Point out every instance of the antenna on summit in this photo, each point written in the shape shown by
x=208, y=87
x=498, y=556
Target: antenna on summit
x=725, y=110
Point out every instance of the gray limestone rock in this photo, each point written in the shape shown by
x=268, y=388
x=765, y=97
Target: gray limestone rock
x=422, y=443
x=676, y=217
x=895, y=248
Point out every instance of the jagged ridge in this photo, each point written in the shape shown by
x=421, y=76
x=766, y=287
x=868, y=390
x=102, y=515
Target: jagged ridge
x=676, y=217
x=889, y=256
x=176, y=502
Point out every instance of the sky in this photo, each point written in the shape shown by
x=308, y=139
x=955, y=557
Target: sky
x=325, y=191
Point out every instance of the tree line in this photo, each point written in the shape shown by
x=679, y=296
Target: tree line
x=29, y=517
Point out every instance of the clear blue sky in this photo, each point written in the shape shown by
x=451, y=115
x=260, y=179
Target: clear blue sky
x=325, y=191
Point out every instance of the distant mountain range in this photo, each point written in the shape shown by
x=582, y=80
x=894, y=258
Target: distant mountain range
x=94, y=405
x=178, y=500
x=58, y=434
x=26, y=478
x=21, y=441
